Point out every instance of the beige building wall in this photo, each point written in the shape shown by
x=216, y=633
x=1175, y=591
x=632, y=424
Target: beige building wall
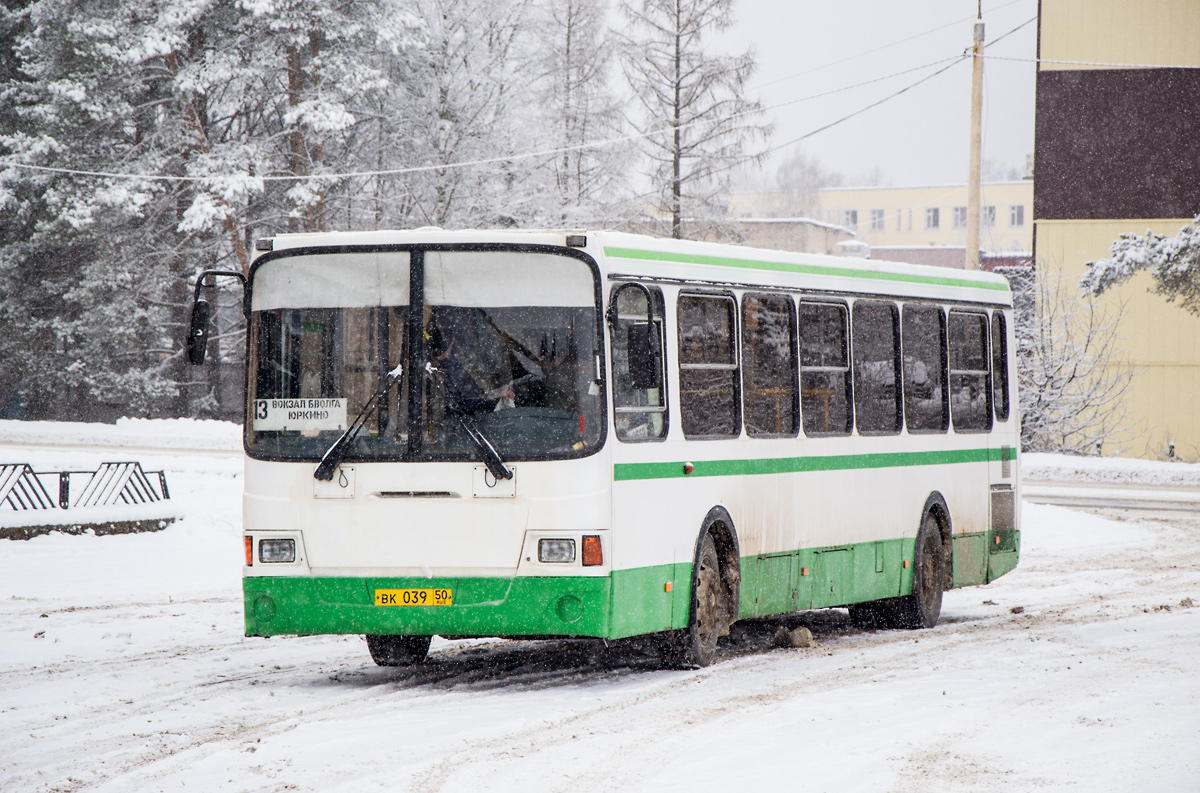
x=902, y=216
x=1127, y=32
x=1160, y=340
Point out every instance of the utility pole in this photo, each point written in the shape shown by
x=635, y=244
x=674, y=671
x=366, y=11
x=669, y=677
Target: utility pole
x=976, y=134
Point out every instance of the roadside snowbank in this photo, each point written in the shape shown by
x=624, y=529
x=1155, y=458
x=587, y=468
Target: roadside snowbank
x=145, y=433
x=1115, y=470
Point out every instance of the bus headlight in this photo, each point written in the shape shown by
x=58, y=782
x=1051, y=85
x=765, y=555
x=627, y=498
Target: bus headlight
x=276, y=550
x=556, y=551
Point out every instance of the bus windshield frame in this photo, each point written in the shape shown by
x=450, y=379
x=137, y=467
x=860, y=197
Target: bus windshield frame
x=532, y=379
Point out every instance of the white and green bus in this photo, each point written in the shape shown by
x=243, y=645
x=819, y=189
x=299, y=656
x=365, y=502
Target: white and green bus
x=596, y=434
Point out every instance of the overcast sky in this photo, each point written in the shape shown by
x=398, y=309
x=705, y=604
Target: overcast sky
x=919, y=137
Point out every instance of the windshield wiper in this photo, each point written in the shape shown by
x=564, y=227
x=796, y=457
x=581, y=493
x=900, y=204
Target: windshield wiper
x=491, y=457
x=337, y=451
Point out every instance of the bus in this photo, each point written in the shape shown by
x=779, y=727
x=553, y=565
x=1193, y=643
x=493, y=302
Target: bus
x=599, y=434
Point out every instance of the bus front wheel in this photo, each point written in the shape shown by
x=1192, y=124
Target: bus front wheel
x=696, y=645
x=922, y=608
x=398, y=650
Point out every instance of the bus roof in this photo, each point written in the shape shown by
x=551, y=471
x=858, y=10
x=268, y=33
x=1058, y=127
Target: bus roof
x=685, y=261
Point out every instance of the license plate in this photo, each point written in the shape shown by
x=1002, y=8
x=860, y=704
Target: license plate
x=414, y=597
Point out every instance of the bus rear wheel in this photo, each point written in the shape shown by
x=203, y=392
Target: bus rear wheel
x=696, y=645
x=922, y=608
x=398, y=650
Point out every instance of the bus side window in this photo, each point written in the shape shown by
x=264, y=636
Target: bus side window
x=876, y=377
x=708, y=368
x=970, y=389
x=639, y=395
x=824, y=370
x=769, y=365
x=999, y=366
x=923, y=336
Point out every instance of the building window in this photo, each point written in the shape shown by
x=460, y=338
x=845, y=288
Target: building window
x=987, y=218
x=851, y=219
x=876, y=220
x=959, y=221
x=932, y=219
x=900, y=219
x=1016, y=215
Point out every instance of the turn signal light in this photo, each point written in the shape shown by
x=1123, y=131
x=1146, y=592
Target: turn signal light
x=592, y=553
x=249, y=550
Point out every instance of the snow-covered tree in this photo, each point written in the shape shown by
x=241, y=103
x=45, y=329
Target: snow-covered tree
x=204, y=99
x=581, y=108
x=1071, y=380
x=1172, y=261
x=465, y=91
x=692, y=101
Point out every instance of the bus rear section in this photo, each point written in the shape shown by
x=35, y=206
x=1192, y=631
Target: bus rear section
x=453, y=394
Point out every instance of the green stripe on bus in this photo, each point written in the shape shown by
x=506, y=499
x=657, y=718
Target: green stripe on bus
x=626, y=603
x=791, y=465
x=805, y=269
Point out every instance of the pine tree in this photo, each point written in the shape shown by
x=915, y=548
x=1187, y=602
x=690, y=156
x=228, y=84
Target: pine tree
x=697, y=120
x=218, y=94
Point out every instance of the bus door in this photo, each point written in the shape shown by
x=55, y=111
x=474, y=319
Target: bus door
x=1002, y=445
x=971, y=412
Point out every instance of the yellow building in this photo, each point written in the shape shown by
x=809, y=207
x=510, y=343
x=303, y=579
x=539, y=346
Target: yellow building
x=1118, y=151
x=908, y=216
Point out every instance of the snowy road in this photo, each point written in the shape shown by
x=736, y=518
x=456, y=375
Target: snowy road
x=123, y=668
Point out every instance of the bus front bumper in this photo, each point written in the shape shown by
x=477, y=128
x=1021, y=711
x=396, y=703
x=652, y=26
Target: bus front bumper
x=518, y=606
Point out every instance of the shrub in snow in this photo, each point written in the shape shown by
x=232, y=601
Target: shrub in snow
x=1072, y=383
x=1173, y=263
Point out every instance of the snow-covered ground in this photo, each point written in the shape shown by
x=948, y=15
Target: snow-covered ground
x=123, y=668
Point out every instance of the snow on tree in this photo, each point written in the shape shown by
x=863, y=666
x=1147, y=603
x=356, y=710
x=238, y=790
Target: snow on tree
x=575, y=64
x=1072, y=383
x=219, y=93
x=464, y=105
x=1173, y=263
x=693, y=102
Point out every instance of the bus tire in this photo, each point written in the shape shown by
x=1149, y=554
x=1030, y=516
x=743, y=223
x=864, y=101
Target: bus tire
x=872, y=615
x=398, y=650
x=696, y=645
x=922, y=608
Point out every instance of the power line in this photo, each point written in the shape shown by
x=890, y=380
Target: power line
x=485, y=161
x=951, y=62
x=889, y=45
x=864, y=109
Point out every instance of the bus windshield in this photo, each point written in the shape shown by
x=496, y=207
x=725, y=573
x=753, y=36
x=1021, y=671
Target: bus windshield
x=504, y=341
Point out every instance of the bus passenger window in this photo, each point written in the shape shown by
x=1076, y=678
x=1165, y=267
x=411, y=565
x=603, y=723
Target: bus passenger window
x=876, y=379
x=970, y=402
x=769, y=364
x=923, y=333
x=824, y=370
x=708, y=370
x=999, y=366
x=639, y=397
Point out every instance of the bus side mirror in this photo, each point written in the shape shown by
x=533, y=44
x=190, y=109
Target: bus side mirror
x=197, y=338
x=644, y=355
